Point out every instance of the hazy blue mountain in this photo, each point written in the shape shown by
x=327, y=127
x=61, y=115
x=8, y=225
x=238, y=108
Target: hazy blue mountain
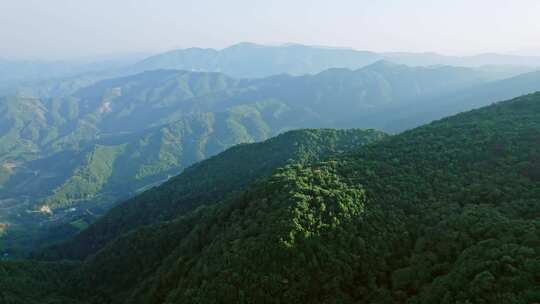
x=467, y=99
x=253, y=60
x=248, y=60
x=486, y=59
x=122, y=135
x=15, y=73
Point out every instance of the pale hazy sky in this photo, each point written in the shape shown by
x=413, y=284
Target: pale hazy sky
x=72, y=28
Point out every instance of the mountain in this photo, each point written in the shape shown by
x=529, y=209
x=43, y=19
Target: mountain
x=169, y=111
x=203, y=183
x=249, y=60
x=29, y=282
x=246, y=60
x=480, y=60
x=68, y=160
x=211, y=180
x=445, y=213
x=25, y=73
x=463, y=100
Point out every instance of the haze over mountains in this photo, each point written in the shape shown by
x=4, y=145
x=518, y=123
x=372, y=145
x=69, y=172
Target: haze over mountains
x=72, y=147
x=243, y=60
x=14, y=72
x=271, y=174
x=252, y=60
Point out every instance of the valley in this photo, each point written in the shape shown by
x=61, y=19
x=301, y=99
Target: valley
x=23, y=228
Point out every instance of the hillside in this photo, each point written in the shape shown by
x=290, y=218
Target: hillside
x=464, y=100
x=25, y=282
x=445, y=213
x=250, y=110
x=126, y=134
x=209, y=181
x=184, y=117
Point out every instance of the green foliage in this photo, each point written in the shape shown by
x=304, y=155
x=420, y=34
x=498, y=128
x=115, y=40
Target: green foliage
x=88, y=180
x=34, y=283
x=445, y=213
x=278, y=238
x=171, y=119
x=211, y=180
x=166, y=120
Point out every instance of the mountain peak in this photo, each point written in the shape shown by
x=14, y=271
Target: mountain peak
x=383, y=63
x=244, y=45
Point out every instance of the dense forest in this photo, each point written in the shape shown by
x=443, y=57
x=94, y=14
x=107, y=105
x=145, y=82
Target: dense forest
x=65, y=160
x=444, y=213
x=125, y=134
x=210, y=181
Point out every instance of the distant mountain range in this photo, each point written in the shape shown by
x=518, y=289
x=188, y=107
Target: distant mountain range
x=244, y=60
x=253, y=60
x=74, y=156
x=467, y=99
x=14, y=72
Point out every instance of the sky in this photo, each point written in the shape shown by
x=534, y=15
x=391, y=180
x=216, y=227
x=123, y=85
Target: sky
x=56, y=29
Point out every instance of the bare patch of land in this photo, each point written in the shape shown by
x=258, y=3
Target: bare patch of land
x=8, y=166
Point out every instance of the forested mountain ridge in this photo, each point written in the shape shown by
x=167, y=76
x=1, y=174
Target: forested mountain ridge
x=202, y=184
x=210, y=181
x=444, y=213
x=166, y=96
x=124, y=135
x=466, y=99
x=183, y=117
